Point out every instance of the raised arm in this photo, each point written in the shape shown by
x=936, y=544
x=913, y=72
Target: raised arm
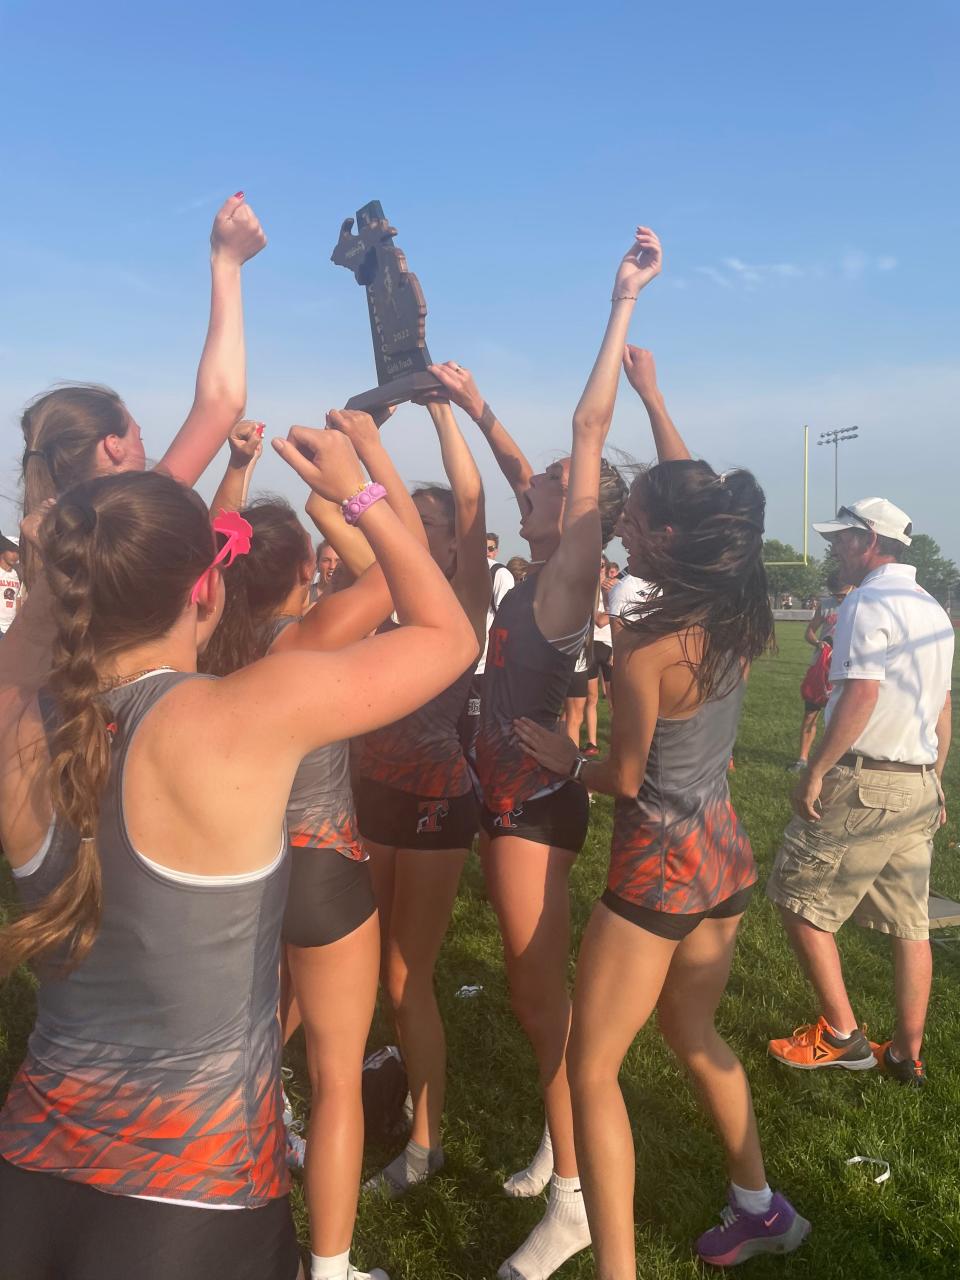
x=347, y=540
x=309, y=699
x=221, y=391
x=472, y=579
x=351, y=614
x=246, y=445
x=567, y=585
x=641, y=372
x=462, y=390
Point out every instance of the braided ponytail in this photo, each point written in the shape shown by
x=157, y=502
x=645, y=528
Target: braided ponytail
x=121, y=554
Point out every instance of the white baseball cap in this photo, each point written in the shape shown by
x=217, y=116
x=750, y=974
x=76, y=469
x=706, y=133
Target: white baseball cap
x=11, y=540
x=876, y=514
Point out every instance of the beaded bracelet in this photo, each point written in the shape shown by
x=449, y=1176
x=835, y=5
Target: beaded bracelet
x=361, y=501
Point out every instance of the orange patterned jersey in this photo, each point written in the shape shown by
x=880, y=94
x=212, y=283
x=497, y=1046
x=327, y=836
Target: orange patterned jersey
x=679, y=847
x=421, y=754
x=154, y=1065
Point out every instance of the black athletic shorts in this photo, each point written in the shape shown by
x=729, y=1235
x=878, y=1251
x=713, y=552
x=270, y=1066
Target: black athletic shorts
x=559, y=819
x=603, y=658
x=402, y=820
x=676, y=927
x=580, y=680
x=329, y=896
x=55, y=1229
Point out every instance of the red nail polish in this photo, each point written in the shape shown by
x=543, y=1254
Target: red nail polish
x=238, y=195
x=261, y=427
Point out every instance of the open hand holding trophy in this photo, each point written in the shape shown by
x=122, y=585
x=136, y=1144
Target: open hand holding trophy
x=398, y=311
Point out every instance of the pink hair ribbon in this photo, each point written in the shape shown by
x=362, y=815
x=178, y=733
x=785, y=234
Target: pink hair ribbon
x=238, y=533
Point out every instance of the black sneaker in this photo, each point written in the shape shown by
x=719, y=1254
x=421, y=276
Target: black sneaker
x=912, y=1074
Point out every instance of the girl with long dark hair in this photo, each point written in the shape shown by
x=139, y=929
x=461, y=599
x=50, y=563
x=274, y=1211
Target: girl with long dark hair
x=535, y=823
x=142, y=808
x=681, y=868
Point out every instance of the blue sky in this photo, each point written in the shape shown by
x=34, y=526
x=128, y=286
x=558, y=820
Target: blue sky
x=799, y=164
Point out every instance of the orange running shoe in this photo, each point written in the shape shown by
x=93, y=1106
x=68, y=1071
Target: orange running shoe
x=817, y=1045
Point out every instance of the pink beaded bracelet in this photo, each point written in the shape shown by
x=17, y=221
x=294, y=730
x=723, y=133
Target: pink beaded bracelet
x=361, y=501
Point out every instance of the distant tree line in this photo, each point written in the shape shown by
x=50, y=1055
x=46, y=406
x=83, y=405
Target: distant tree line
x=935, y=572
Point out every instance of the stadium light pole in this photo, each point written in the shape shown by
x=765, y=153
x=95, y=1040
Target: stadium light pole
x=836, y=438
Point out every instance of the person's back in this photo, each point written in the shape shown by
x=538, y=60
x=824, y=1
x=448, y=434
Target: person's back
x=679, y=846
x=172, y=1012
x=890, y=629
x=153, y=1072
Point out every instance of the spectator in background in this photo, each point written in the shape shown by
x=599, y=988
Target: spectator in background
x=871, y=799
x=815, y=690
x=10, y=585
x=518, y=567
x=502, y=580
x=603, y=638
x=625, y=592
x=327, y=564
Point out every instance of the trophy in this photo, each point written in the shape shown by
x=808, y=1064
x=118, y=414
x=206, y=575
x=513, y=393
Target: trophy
x=398, y=311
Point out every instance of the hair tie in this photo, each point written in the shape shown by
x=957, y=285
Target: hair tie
x=34, y=453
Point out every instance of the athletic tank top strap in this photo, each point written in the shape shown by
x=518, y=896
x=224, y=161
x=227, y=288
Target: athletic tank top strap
x=152, y=1069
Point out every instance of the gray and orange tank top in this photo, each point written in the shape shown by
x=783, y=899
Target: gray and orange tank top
x=679, y=847
x=320, y=812
x=526, y=675
x=153, y=1069
x=421, y=754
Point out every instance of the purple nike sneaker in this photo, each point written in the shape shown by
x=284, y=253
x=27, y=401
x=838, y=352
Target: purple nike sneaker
x=742, y=1235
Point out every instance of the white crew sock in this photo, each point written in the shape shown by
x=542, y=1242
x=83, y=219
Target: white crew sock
x=532, y=1180
x=752, y=1201
x=413, y=1165
x=339, y=1268
x=560, y=1233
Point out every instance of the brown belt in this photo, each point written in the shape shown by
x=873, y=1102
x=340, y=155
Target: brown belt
x=884, y=766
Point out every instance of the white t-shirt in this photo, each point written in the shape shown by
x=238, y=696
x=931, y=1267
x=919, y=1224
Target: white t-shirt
x=628, y=591
x=503, y=581
x=9, y=596
x=893, y=631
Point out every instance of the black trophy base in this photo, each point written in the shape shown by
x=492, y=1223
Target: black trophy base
x=398, y=391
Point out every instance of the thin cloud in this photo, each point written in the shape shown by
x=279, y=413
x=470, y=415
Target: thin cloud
x=751, y=275
x=713, y=274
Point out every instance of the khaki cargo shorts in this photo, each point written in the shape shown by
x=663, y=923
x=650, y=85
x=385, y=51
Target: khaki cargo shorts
x=867, y=858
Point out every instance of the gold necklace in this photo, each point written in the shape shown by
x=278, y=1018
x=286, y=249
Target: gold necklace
x=120, y=681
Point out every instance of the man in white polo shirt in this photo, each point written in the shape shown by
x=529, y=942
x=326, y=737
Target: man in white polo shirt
x=871, y=799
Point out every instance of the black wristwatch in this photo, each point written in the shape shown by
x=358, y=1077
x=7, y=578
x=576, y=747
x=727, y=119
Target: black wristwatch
x=577, y=767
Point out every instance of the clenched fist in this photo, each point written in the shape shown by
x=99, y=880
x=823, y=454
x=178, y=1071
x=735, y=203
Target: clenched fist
x=237, y=235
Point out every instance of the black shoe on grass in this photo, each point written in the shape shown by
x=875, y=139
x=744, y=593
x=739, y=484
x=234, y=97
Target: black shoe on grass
x=912, y=1073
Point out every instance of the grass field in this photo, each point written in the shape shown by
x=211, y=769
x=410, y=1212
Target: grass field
x=461, y=1224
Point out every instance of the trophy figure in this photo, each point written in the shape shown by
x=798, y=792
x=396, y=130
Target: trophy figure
x=397, y=307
